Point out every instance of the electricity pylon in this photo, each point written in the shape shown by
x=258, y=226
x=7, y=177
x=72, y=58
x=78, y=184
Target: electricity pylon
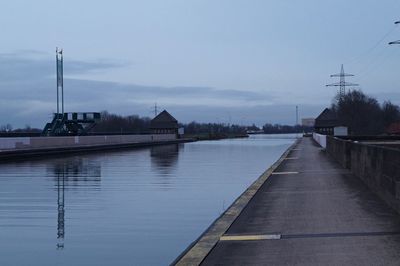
x=342, y=84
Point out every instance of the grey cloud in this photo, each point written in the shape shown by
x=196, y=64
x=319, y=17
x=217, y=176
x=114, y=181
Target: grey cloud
x=283, y=114
x=100, y=88
x=31, y=65
x=27, y=76
x=27, y=86
x=26, y=72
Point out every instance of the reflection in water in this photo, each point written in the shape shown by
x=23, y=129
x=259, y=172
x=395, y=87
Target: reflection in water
x=71, y=171
x=165, y=157
x=61, y=211
x=77, y=170
x=140, y=206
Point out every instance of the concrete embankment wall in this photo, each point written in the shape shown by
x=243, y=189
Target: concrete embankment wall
x=320, y=139
x=9, y=144
x=28, y=147
x=340, y=150
x=377, y=166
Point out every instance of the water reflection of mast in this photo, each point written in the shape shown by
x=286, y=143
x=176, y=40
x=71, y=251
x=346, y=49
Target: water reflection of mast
x=61, y=211
x=67, y=174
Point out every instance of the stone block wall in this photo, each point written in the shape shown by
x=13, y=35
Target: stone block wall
x=377, y=166
x=340, y=150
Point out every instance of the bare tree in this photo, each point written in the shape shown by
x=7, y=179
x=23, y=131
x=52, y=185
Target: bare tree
x=363, y=115
x=6, y=128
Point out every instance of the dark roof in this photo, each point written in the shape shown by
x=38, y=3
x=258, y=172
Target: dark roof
x=327, y=118
x=164, y=120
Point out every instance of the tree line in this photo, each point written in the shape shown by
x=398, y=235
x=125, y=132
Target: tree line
x=363, y=115
x=281, y=129
x=196, y=128
x=8, y=128
x=113, y=123
x=133, y=124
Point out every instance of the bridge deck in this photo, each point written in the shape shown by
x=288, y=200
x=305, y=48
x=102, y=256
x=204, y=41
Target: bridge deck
x=311, y=212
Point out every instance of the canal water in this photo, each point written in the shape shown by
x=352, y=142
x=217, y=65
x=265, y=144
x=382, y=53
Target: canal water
x=131, y=207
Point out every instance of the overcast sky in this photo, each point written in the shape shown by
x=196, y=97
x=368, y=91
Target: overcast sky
x=249, y=61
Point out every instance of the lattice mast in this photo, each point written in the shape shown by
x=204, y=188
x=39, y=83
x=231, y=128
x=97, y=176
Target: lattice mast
x=60, y=81
x=342, y=84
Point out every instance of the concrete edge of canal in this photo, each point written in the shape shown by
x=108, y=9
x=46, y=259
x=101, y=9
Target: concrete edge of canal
x=7, y=156
x=201, y=247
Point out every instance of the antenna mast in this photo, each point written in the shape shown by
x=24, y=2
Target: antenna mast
x=60, y=81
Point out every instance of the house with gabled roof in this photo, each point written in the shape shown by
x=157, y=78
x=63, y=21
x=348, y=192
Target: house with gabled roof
x=164, y=123
x=326, y=122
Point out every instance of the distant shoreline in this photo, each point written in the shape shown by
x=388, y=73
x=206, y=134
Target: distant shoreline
x=217, y=136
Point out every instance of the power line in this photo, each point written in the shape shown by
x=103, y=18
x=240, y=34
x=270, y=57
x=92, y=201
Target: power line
x=373, y=47
x=396, y=42
x=376, y=65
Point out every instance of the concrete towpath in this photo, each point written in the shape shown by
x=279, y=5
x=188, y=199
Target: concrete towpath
x=311, y=211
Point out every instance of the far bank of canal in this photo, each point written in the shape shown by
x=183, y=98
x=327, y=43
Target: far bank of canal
x=131, y=207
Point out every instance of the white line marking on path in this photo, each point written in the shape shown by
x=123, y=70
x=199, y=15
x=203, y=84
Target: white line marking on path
x=249, y=237
x=284, y=173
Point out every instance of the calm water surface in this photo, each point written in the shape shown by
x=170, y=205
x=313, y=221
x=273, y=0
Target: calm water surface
x=135, y=207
